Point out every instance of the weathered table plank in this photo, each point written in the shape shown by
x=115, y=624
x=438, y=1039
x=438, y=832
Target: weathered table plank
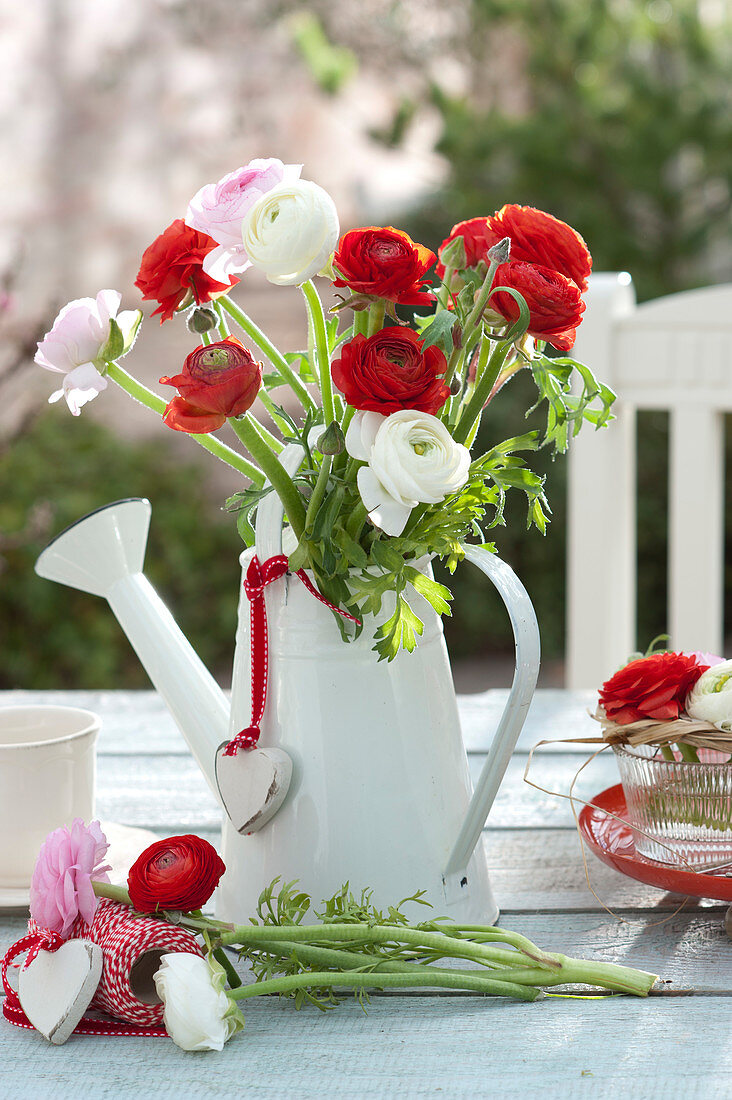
x=616, y=1048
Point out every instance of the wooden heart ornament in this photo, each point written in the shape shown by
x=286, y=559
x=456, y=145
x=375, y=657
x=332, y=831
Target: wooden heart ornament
x=252, y=785
x=56, y=989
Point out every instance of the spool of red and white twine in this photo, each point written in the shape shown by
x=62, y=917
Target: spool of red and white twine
x=125, y=938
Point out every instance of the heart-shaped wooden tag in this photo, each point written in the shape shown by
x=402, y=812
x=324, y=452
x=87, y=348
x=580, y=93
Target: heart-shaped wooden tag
x=56, y=989
x=252, y=785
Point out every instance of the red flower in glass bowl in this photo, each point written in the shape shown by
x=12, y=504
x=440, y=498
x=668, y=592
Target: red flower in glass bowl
x=650, y=687
x=180, y=872
x=384, y=263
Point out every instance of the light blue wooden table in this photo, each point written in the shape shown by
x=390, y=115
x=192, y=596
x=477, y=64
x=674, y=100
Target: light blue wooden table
x=674, y=1044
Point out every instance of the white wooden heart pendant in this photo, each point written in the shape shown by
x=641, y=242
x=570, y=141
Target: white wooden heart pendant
x=56, y=989
x=252, y=785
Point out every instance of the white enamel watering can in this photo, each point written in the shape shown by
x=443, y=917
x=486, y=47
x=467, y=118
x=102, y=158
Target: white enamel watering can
x=364, y=770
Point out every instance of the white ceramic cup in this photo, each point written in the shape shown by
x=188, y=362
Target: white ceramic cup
x=47, y=777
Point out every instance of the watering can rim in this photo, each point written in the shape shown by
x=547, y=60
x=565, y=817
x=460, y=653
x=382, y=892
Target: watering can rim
x=88, y=515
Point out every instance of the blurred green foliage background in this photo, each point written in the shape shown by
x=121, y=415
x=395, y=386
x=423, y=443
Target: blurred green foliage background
x=621, y=126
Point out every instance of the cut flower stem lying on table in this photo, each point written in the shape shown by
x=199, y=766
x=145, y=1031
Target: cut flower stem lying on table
x=355, y=946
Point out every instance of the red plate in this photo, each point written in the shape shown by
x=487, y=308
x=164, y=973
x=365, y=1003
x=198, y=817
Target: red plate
x=612, y=842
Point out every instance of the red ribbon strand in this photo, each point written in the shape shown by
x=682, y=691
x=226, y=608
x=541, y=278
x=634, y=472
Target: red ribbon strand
x=42, y=939
x=257, y=578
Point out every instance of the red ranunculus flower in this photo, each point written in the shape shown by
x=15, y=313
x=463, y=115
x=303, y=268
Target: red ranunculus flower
x=554, y=301
x=651, y=687
x=389, y=371
x=217, y=381
x=384, y=262
x=180, y=872
x=540, y=238
x=171, y=269
x=478, y=236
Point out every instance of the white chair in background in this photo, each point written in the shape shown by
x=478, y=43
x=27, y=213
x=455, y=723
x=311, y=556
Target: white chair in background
x=673, y=353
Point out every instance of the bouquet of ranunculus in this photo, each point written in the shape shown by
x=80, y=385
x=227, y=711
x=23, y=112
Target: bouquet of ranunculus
x=388, y=408
x=352, y=945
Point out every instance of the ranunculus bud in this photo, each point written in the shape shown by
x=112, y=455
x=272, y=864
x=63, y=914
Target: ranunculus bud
x=201, y=320
x=500, y=253
x=332, y=441
x=217, y=381
x=180, y=872
x=453, y=254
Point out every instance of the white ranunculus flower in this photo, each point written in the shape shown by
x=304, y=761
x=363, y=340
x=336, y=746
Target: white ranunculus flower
x=710, y=699
x=291, y=232
x=74, y=346
x=218, y=210
x=412, y=459
x=197, y=1013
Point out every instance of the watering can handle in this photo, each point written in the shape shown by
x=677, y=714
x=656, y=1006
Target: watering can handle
x=528, y=650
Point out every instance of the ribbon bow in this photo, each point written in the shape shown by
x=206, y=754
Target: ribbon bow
x=257, y=578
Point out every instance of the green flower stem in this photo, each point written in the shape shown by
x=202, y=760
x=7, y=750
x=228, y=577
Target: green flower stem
x=621, y=979
x=376, y=317
x=336, y=959
x=223, y=327
x=360, y=934
x=316, y=317
x=688, y=752
x=269, y=405
x=476, y=314
x=209, y=442
x=114, y=893
x=443, y=294
x=483, y=387
x=318, y=492
x=231, y=975
x=453, y=363
x=491, y=987
x=206, y=338
x=273, y=469
x=668, y=753
x=275, y=357
x=266, y=436
x=360, y=322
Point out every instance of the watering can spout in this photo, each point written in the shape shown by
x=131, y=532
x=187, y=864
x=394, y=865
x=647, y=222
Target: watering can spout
x=103, y=554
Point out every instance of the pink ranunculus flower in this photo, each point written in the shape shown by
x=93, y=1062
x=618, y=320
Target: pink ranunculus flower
x=709, y=659
x=219, y=208
x=75, y=342
x=61, y=887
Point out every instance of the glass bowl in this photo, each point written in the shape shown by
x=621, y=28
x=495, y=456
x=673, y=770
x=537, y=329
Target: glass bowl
x=680, y=812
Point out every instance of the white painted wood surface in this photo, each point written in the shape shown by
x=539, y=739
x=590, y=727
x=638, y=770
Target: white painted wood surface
x=672, y=353
x=675, y=1044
